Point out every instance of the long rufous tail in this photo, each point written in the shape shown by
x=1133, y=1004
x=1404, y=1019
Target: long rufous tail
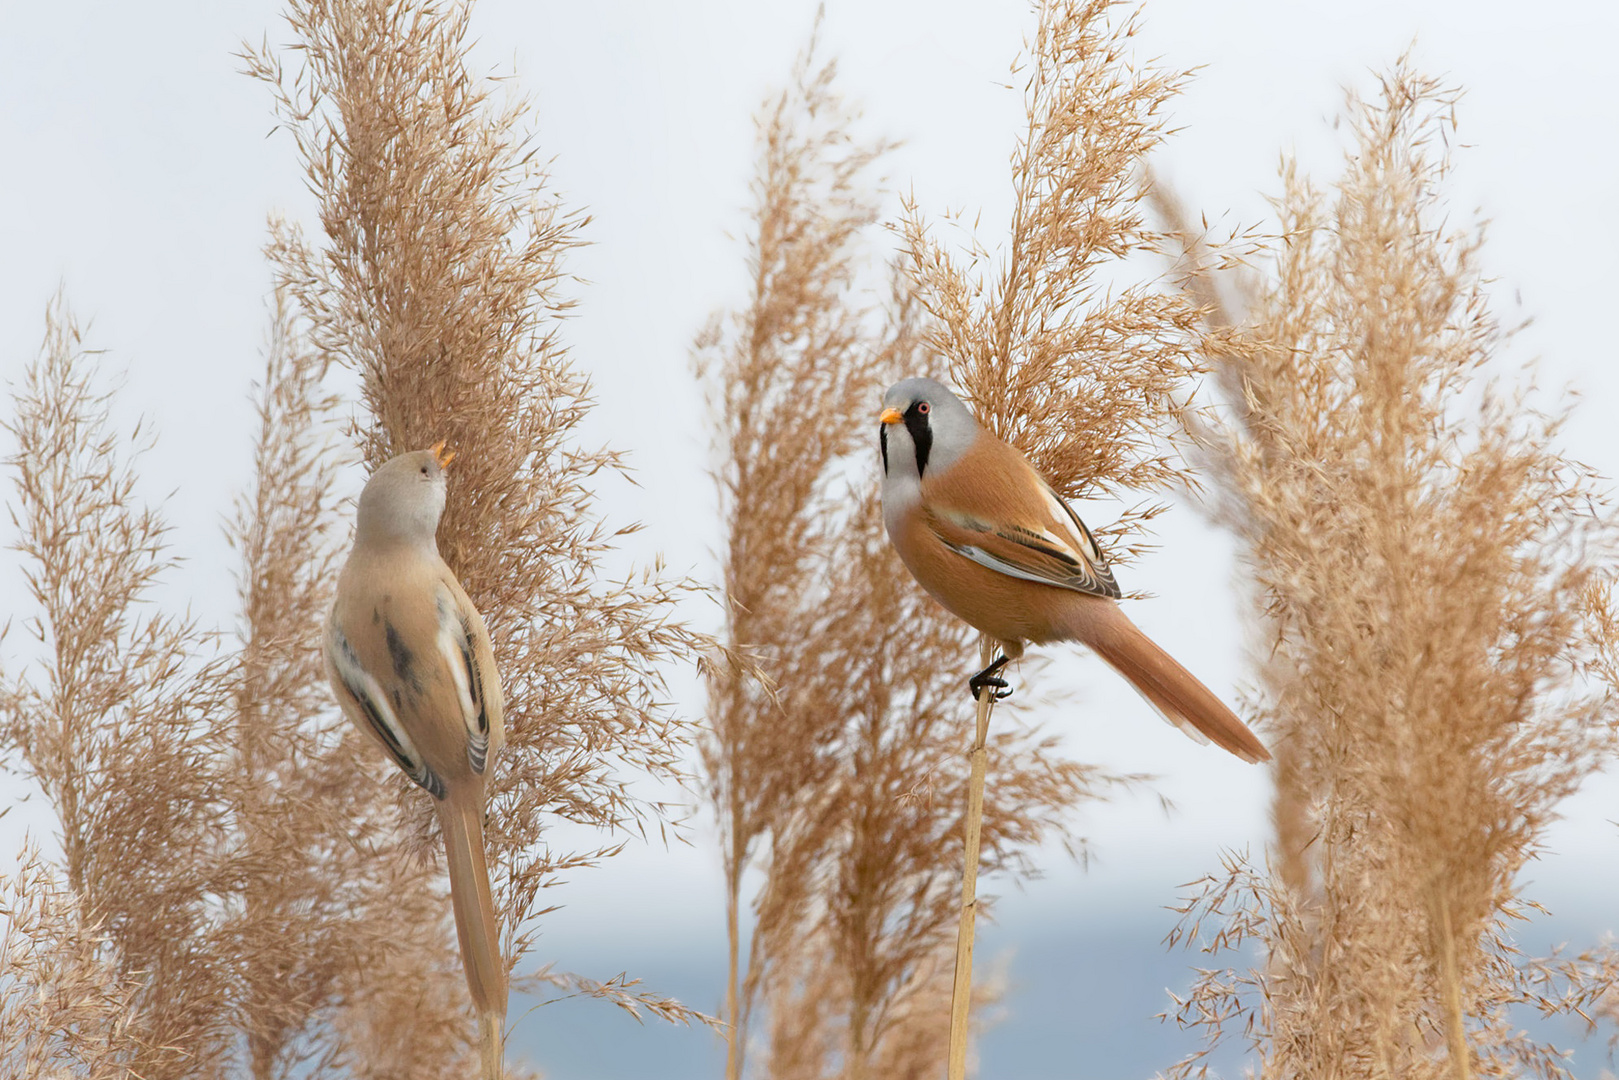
x=460, y=816
x=1170, y=688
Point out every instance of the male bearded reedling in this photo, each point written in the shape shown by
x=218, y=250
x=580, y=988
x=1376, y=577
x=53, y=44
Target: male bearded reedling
x=409, y=659
x=986, y=536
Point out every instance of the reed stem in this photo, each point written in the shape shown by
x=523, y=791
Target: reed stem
x=961, y=990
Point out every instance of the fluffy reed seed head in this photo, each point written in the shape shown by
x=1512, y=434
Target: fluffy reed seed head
x=119, y=720
x=1435, y=586
x=439, y=280
x=1057, y=344
x=835, y=758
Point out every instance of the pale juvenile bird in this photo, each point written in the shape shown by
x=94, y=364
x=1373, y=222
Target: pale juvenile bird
x=409, y=659
x=989, y=539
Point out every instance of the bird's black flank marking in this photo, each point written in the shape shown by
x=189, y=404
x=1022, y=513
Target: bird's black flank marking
x=404, y=661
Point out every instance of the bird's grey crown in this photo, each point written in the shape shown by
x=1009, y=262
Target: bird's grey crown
x=953, y=427
x=402, y=501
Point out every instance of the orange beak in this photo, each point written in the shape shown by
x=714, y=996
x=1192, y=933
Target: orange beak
x=891, y=416
x=441, y=455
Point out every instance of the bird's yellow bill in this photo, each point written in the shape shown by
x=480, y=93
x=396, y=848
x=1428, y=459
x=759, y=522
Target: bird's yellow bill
x=441, y=455
x=891, y=416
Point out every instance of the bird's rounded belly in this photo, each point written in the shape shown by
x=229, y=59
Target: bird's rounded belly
x=1006, y=608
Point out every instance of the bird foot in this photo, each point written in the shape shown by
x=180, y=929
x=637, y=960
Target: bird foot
x=1000, y=689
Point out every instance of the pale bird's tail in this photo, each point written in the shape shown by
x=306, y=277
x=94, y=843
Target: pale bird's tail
x=1168, y=687
x=460, y=816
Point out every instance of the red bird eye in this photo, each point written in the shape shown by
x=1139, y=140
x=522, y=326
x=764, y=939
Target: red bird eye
x=923, y=408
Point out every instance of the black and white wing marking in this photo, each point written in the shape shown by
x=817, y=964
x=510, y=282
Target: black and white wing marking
x=1102, y=582
x=368, y=701
x=455, y=643
x=1058, y=551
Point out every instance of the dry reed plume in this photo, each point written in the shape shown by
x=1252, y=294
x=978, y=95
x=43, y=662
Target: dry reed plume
x=861, y=897
x=784, y=376
x=439, y=282
x=315, y=878
x=1056, y=347
x=64, y=1008
x=224, y=889
x=832, y=754
x=228, y=898
x=1434, y=585
x=121, y=725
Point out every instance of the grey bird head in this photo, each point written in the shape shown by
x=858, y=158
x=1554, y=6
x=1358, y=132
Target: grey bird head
x=404, y=499
x=925, y=428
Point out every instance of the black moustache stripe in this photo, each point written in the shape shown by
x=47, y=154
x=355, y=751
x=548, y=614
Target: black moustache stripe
x=916, y=422
x=882, y=440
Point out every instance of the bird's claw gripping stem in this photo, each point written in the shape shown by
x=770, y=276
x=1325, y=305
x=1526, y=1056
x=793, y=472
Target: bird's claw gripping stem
x=988, y=677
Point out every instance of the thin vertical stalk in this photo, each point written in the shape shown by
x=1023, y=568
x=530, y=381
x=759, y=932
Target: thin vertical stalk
x=733, y=933
x=1455, y=1019
x=961, y=990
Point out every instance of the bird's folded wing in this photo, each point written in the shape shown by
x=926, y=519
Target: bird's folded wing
x=463, y=643
x=1030, y=534
x=361, y=696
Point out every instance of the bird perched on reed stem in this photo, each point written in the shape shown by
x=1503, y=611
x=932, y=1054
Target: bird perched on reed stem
x=409, y=659
x=989, y=539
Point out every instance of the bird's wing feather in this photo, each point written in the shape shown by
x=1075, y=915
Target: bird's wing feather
x=361, y=696
x=1003, y=515
x=463, y=643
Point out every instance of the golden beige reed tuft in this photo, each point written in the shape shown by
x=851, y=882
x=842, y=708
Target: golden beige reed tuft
x=786, y=377
x=834, y=751
x=1057, y=344
x=316, y=874
x=120, y=719
x=229, y=899
x=1434, y=579
x=226, y=894
x=64, y=1007
x=439, y=281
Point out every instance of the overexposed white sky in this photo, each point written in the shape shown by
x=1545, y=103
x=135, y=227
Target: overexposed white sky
x=139, y=168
